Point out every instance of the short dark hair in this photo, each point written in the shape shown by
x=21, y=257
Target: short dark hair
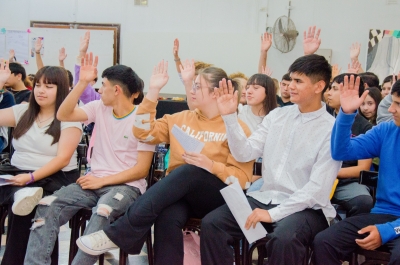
x=267, y=83
x=125, y=77
x=314, y=66
x=70, y=78
x=286, y=77
x=16, y=69
x=371, y=79
x=396, y=89
x=340, y=79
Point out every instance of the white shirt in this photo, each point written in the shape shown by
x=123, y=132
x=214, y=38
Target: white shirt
x=297, y=168
x=34, y=149
x=251, y=120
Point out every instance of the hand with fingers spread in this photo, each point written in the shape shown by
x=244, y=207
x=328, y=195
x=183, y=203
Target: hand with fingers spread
x=266, y=71
x=188, y=71
x=354, y=67
x=227, y=100
x=159, y=77
x=349, y=98
x=38, y=45
x=266, y=41
x=355, y=51
x=88, y=71
x=372, y=241
x=311, y=41
x=11, y=55
x=335, y=70
x=258, y=215
x=4, y=72
x=84, y=44
x=198, y=160
x=61, y=54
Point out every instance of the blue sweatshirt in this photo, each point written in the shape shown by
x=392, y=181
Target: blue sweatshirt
x=381, y=141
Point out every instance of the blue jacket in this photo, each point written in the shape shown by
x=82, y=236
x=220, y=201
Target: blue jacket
x=381, y=141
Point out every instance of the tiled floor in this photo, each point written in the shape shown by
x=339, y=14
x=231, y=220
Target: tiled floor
x=111, y=258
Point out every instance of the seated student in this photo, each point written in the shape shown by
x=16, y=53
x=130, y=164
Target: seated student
x=192, y=186
x=241, y=79
x=387, y=85
x=353, y=197
x=6, y=101
x=298, y=171
x=45, y=154
x=369, y=108
x=15, y=83
x=370, y=79
x=284, y=99
x=119, y=162
x=381, y=226
x=383, y=113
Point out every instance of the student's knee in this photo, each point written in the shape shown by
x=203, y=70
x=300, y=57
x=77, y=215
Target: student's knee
x=104, y=210
x=360, y=204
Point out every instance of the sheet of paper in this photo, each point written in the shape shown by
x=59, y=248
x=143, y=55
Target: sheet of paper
x=18, y=40
x=188, y=143
x=4, y=178
x=240, y=208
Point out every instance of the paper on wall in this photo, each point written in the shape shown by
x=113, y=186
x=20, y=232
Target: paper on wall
x=240, y=208
x=188, y=143
x=18, y=41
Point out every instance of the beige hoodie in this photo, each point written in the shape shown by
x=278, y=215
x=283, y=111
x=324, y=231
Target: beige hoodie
x=211, y=132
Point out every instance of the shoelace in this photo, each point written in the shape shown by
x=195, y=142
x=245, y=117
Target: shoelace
x=99, y=239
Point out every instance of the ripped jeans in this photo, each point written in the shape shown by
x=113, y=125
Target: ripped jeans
x=53, y=211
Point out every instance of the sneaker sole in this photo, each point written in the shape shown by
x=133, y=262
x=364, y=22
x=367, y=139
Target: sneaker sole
x=90, y=251
x=27, y=204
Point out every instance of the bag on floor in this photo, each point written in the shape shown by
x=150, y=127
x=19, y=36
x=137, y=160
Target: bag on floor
x=191, y=248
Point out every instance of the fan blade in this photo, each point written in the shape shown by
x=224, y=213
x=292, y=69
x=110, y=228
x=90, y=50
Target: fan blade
x=280, y=26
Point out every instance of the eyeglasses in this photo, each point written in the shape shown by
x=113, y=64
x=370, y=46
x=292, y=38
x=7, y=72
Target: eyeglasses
x=197, y=86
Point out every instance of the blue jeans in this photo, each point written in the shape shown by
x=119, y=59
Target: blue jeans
x=53, y=211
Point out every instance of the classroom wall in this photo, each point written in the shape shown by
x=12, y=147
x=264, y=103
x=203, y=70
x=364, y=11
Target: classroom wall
x=223, y=32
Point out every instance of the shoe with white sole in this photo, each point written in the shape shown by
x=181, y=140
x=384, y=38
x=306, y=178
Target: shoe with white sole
x=96, y=243
x=25, y=200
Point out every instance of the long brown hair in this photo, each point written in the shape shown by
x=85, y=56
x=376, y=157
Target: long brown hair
x=54, y=75
x=269, y=103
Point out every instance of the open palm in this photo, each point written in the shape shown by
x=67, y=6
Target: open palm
x=227, y=100
x=266, y=41
x=187, y=70
x=160, y=76
x=62, y=55
x=88, y=70
x=349, y=94
x=38, y=44
x=311, y=40
x=4, y=72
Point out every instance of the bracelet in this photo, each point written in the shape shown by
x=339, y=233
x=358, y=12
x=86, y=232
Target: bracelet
x=177, y=60
x=32, y=179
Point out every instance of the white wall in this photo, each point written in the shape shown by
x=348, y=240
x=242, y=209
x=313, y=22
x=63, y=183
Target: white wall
x=223, y=32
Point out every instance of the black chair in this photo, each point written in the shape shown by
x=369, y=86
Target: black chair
x=382, y=254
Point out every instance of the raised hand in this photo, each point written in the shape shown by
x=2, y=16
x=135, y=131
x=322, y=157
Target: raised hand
x=187, y=71
x=355, y=51
x=336, y=70
x=84, y=43
x=227, y=100
x=88, y=68
x=266, y=71
x=61, y=54
x=311, y=40
x=4, y=72
x=11, y=55
x=266, y=41
x=349, y=99
x=159, y=77
x=354, y=67
x=38, y=45
x=175, y=50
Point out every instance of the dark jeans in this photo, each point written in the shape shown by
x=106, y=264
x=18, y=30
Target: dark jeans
x=338, y=241
x=289, y=238
x=187, y=189
x=19, y=226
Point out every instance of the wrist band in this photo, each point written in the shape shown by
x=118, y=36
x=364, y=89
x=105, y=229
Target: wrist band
x=177, y=60
x=32, y=179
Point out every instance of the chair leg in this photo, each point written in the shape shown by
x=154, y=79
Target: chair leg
x=245, y=247
x=101, y=259
x=354, y=260
x=122, y=257
x=261, y=254
x=236, y=247
x=74, y=223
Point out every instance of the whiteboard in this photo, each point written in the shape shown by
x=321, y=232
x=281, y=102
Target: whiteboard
x=101, y=44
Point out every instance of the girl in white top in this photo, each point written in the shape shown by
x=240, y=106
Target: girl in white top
x=45, y=156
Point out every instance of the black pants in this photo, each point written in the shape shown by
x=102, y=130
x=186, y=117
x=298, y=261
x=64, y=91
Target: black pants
x=187, y=189
x=18, y=229
x=290, y=237
x=338, y=241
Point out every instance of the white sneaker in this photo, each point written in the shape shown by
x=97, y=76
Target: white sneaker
x=96, y=243
x=25, y=200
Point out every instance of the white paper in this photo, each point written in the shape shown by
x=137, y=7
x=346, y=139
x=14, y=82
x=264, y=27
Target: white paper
x=3, y=53
x=18, y=40
x=240, y=208
x=4, y=178
x=188, y=143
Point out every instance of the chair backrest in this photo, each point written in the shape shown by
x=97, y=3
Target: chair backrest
x=257, y=168
x=369, y=179
x=81, y=157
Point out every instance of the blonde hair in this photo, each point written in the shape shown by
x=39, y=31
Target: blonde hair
x=199, y=65
x=238, y=75
x=276, y=83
